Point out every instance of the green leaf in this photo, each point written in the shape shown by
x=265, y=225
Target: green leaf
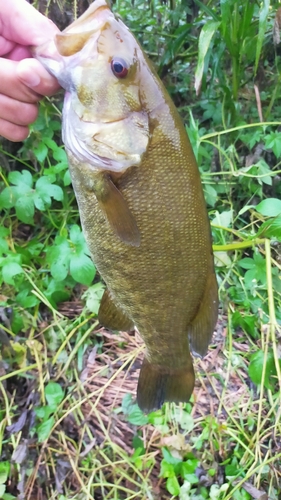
x=59, y=269
x=133, y=412
x=167, y=469
x=272, y=141
x=4, y=471
x=265, y=171
x=7, y=496
x=170, y=458
x=138, y=445
x=44, y=412
x=256, y=367
x=247, y=323
x=82, y=269
x=127, y=404
x=191, y=478
x=225, y=14
x=25, y=209
x=58, y=257
x=264, y=11
x=188, y=467
x=247, y=263
x=51, y=144
x=26, y=300
x=60, y=155
x=223, y=219
x=184, y=419
x=46, y=190
x=21, y=178
x=40, y=152
x=77, y=237
x=54, y=393
x=7, y=198
x=93, y=297
x=205, y=38
x=44, y=429
x=211, y=195
x=137, y=417
x=2, y=490
x=241, y=494
x=56, y=192
x=4, y=247
x=66, y=178
x=9, y=271
x=269, y=229
x=271, y=207
x=173, y=486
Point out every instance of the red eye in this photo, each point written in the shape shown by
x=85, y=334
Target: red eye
x=119, y=67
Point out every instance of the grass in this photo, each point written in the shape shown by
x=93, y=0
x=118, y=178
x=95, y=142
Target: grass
x=69, y=425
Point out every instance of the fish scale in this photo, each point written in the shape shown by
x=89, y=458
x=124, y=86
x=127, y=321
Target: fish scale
x=140, y=199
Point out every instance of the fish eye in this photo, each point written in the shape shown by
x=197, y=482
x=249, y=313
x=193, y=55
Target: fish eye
x=119, y=67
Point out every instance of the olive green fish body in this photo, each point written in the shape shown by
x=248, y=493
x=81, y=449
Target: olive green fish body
x=145, y=223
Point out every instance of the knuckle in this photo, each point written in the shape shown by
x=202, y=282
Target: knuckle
x=28, y=113
x=12, y=132
x=20, y=134
x=17, y=112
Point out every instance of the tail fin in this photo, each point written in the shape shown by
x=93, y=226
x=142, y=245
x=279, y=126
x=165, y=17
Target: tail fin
x=158, y=385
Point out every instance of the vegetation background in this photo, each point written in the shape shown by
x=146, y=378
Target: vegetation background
x=69, y=427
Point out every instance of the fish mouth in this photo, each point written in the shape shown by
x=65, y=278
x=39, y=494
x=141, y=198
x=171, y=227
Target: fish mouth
x=77, y=42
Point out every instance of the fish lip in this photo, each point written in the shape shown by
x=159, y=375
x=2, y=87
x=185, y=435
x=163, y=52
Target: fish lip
x=61, y=66
x=47, y=50
x=48, y=55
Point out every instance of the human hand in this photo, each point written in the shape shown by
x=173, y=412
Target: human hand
x=23, y=81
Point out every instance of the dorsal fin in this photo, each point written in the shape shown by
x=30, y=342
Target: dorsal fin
x=71, y=43
x=88, y=16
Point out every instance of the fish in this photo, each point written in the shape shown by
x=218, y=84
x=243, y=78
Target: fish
x=140, y=199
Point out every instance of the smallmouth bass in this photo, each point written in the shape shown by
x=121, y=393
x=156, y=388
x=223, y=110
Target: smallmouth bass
x=140, y=199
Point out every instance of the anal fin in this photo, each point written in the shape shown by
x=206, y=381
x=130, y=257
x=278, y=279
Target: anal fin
x=116, y=211
x=112, y=317
x=157, y=385
x=201, y=330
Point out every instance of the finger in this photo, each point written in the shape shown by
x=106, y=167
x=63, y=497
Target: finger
x=23, y=24
x=17, y=112
x=10, y=84
x=13, y=132
x=5, y=46
x=18, y=53
x=34, y=75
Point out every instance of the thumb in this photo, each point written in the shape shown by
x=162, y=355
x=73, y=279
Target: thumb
x=32, y=74
x=23, y=24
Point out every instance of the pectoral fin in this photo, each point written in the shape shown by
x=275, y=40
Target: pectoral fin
x=116, y=211
x=202, y=328
x=112, y=317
